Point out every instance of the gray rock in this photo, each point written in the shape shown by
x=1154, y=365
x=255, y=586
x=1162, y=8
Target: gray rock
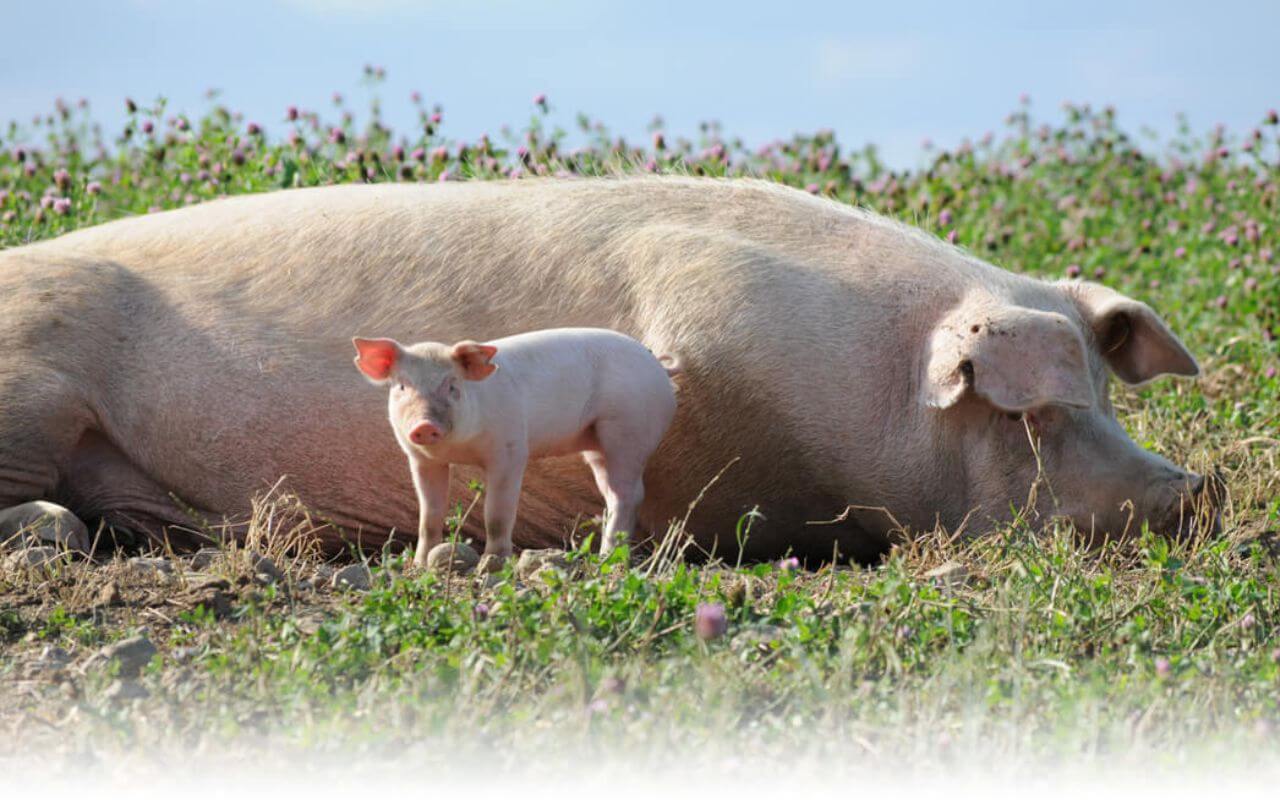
x=141, y=567
x=758, y=637
x=487, y=580
x=183, y=655
x=121, y=691
x=39, y=521
x=323, y=573
x=196, y=581
x=205, y=557
x=531, y=561
x=34, y=557
x=490, y=563
x=108, y=595
x=456, y=557
x=546, y=574
x=949, y=573
x=263, y=567
x=353, y=576
x=52, y=659
x=130, y=654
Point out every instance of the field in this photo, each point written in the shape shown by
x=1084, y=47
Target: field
x=1020, y=649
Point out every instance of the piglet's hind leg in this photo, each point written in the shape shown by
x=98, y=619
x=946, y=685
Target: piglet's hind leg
x=621, y=483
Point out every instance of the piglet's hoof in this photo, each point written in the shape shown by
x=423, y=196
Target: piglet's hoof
x=455, y=557
x=41, y=522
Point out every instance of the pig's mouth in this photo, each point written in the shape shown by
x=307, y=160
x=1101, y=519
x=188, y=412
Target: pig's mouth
x=1199, y=515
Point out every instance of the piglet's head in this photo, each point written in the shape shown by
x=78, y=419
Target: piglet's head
x=428, y=383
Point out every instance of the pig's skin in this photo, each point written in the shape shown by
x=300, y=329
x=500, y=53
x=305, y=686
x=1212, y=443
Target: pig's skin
x=204, y=352
x=499, y=404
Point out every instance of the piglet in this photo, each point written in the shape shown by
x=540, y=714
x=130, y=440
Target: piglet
x=497, y=405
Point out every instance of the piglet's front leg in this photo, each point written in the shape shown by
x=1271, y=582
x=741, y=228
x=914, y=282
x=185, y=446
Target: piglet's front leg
x=501, y=496
x=431, y=479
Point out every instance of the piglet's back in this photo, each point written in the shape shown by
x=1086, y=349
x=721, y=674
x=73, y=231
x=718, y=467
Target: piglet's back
x=595, y=369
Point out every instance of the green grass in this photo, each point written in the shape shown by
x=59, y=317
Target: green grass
x=1166, y=653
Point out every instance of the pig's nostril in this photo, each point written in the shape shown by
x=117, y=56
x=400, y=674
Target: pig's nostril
x=424, y=433
x=1197, y=484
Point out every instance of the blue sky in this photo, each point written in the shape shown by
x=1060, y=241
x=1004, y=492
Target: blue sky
x=887, y=72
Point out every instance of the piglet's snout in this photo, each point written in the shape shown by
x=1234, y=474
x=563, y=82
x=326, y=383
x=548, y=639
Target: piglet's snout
x=424, y=434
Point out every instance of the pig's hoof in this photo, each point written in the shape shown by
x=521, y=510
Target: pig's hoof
x=452, y=557
x=41, y=522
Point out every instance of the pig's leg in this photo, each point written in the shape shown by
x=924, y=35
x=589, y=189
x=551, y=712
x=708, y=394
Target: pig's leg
x=431, y=480
x=621, y=483
x=501, y=496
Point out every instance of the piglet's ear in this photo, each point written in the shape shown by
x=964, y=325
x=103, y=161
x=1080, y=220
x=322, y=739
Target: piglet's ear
x=1015, y=358
x=473, y=360
x=1136, y=343
x=377, y=358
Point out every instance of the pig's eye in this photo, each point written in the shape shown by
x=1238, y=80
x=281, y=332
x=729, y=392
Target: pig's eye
x=453, y=391
x=1014, y=416
x=399, y=387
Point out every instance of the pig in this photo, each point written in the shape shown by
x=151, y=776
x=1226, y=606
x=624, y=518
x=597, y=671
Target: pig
x=567, y=390
x=160, y=372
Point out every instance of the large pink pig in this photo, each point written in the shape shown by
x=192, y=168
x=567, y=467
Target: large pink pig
x=180, y=364
x=555, y=392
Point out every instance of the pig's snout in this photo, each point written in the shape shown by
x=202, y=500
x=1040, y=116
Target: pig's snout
x=425, y=434
x=1195, y=507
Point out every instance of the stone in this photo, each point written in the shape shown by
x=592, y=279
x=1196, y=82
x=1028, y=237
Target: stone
x=196, y=581
x=531, y=561
x=323, y=573
x=52, y=659
x=758, y=637
x=949, y=573
x=34, y=557
x=490, y=563
x=738, y=591
x=353, y=576
x=131, y=655
x=263, y=567
x=108, y=595
x=205, y=557
x=546, y=575
x=39, y=521
x=452, y=557
x=141, y=567
x=121, y=691
x=183, y=655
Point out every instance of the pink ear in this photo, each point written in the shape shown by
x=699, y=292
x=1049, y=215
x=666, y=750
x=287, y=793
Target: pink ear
x=473, y=360
x=377, y=357
x=1017, y=358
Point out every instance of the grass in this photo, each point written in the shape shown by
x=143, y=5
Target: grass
x=1145, y=652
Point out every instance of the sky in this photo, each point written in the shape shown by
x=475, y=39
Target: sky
x=890, y=73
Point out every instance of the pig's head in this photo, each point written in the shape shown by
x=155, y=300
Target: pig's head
x=428, y=384
x=1021, y=393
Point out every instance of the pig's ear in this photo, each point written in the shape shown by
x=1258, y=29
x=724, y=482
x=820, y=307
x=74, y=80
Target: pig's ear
x=1016, y=358
x=473, y=360
x=1135, y=342
x=377, y=358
